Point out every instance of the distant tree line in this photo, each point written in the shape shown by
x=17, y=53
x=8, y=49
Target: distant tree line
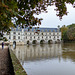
x=68, y=32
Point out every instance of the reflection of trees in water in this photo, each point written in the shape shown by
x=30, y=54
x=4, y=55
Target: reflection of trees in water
x=68, y=51
x=69, y=55
x=68, y=46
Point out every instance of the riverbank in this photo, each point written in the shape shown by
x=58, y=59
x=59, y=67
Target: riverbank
x=18, y=69
x=6, y=67
x=69, y=41
x=9, y=64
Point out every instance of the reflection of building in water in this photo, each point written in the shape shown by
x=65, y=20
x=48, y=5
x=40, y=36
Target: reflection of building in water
x=38, y=52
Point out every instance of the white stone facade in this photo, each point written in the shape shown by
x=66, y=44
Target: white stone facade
x=22, y=36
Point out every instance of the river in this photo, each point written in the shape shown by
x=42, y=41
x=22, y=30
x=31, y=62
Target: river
x=47, y=59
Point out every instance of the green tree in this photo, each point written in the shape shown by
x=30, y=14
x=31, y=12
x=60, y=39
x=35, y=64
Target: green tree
x=68, y=32
x=64, y=32
x=71, y=32
x=22, y=11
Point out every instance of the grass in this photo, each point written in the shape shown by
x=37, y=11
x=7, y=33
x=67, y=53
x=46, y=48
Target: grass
x=18, y=69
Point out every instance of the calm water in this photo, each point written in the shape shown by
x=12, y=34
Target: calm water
x=54, y=59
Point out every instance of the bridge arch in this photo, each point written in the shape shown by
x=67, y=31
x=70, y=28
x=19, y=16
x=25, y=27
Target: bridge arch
x=58, y=40
x=49, y=41
x=14, y=44
x=34, y=42
x=28, y=42
x=42, y=42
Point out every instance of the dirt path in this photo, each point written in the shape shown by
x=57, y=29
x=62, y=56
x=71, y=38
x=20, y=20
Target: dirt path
x=6, y=67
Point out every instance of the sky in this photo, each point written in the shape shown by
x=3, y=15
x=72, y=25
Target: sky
x=50, y=20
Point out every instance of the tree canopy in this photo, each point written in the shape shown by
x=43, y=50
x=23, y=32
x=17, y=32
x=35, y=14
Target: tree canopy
x=68, y=32
x=22, y=11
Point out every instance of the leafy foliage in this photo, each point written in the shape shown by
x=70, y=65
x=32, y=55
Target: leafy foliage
x=68, y=32
x=71, y=32
x=22, y=11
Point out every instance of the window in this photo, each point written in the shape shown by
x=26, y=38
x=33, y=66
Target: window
x=38, y=33
x=19, y=37
x=46, y=37
x=57, y=36
x=30, y=38
x=14, y=32
x=26, y=37
x=49, y=33
x=46, y=33
x=9, y=37
x=57, y=33
x=30, y=33
x=26, y=33
x=54, y=34
x=38, y=37
x=54, y=38
x=18, y=33
x=49, y=36
x=34, y=37
x=14, y=37
x=42, y=36
x=42, y=33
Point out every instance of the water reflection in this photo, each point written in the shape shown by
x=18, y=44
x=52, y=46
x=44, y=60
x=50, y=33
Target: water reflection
x=38, y=52
x=68, y=51
x=53, y=59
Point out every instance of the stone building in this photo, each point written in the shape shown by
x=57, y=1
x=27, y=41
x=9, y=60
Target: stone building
x=34, y=36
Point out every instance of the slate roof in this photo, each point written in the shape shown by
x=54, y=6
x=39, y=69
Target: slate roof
x=40, y=29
